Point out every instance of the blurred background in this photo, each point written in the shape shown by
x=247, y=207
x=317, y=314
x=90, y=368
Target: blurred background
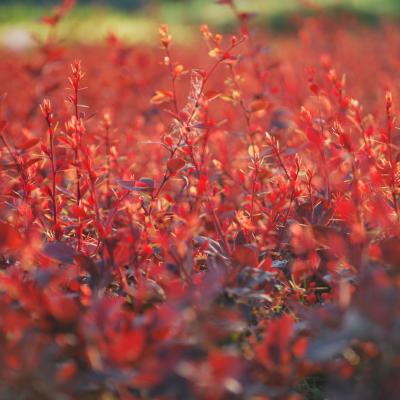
x=137, y=20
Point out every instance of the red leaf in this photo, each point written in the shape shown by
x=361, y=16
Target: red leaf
x=331, y=239
x=245, y=255
x=66, y=371
x=9, y=237
x=314, y=88
x=29, y=143
x=127, y=346
x=3, y=124
x=32, y=161
x=63, y=308
x=390, y=251
x=51, y=20
x=175, y=164
x=275, y=351
x=78, y=212
x=211, y=95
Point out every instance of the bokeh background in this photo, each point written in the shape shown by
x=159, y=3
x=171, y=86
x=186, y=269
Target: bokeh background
x=137, y=20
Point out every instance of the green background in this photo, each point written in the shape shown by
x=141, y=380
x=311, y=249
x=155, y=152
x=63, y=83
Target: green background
x=137, y=20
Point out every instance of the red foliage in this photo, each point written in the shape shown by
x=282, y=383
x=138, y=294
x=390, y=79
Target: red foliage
x=211, y=228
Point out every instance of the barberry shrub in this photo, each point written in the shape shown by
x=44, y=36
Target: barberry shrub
x=220, y=222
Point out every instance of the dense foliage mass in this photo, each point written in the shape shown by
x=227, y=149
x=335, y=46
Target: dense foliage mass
x=213, y=222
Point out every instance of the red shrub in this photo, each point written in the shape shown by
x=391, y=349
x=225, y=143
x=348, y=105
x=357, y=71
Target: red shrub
x=212, y=228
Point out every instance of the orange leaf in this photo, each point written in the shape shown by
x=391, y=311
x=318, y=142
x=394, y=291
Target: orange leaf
x=162, y=96
x=258, y=105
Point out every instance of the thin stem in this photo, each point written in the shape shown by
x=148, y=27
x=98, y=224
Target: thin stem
x=173, y=79
x=108, y=165
x=392, y=165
